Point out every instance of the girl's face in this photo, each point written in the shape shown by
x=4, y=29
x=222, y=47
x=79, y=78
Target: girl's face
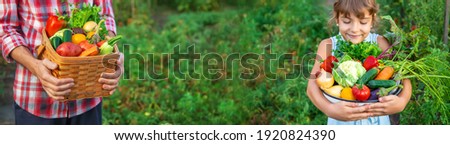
x=355, y=29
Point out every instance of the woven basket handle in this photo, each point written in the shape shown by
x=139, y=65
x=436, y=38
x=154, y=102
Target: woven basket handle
x=40, y=49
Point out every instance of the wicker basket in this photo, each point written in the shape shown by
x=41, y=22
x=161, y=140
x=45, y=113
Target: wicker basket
x=84, y=70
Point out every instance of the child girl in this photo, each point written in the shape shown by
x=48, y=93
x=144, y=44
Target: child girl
x=355, y=19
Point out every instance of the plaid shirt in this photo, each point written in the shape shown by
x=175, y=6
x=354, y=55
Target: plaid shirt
x=21, y=23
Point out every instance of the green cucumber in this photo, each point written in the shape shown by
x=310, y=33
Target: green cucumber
x=67, y=36
x=55, y=41
x=373, y=84
x=369, y=75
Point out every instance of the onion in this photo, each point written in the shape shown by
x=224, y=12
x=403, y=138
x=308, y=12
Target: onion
x=325, y=79
x=89, y=26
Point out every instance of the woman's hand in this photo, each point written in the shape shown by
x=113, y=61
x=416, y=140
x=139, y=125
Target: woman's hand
x=55, y=88
x=388, y=105
x=347, y=111
x=110, y=81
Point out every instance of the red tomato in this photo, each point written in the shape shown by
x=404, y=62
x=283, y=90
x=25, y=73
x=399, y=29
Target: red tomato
x=54, y=24
x=85, y=45
x=69, y=49
x=370, y=62
x=361, y=94
x=328, y=65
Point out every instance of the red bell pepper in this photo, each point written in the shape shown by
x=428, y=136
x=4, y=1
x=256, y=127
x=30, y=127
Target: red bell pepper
x=361, y=92
x=328, y=65
x=370, y=63
x=99, y=44
x=54, y=24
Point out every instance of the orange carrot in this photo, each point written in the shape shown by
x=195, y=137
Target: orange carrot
x=90, y=52
x=385, y=74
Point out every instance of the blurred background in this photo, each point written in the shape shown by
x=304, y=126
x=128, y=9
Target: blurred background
x=291, y=26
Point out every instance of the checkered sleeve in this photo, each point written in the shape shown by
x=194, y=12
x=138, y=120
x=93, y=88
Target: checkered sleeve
x=108, y=13
x=10, y=32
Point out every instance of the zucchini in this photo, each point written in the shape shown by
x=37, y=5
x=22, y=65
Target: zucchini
x=55, y=41
x=59, y=33
x=67, y=35
x=373, y=84
x=369, y=75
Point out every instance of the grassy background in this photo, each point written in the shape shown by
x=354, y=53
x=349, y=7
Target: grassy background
x=293, y=26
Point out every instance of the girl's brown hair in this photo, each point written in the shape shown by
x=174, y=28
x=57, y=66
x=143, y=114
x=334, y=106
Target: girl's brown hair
x=356, y=7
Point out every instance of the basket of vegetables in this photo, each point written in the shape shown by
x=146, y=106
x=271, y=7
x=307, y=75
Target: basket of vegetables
x=356, y=75
x=79, y=45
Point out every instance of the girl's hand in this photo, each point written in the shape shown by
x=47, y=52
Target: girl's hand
x=110, y=81
x=388, y=105
x=346, y=111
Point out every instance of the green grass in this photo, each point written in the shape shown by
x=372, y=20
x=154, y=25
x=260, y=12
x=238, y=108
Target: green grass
x=236, y=101
x=294, y=26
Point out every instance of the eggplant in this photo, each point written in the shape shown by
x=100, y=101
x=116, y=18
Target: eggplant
x=373, y=94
